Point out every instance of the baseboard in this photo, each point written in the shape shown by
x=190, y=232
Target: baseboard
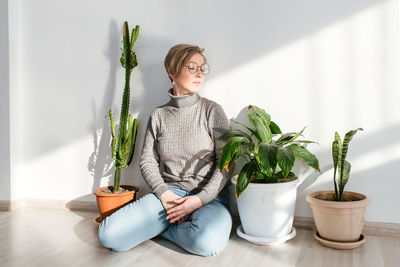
x=48, y=204
x=370, y=228
x=6, y=205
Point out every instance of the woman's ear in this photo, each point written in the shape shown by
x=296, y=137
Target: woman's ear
x=171, y=76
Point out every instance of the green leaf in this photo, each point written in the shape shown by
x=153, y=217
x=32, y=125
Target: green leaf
x=229, y=151
x=347, y=138
x=345, y=177
x=339, y=160
x=294, y=137
x=306, y=156
x=253, y=132
x=233, y=133
x=279, y=175
x=284, y=137
x=335, y=157
x=342, y=158
x=274, y=128
x=261, y=112
x=285, y=159
x=267, y=157
x=244, y=178
x=263, y=131
x=304, y=142
x=260, y=176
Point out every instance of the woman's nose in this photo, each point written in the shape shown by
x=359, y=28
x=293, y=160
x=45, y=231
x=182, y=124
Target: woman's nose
x=198, y=73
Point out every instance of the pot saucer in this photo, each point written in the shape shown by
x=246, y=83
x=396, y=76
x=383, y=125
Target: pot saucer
x=265, y=240
x=340, y=245
x=98, y=220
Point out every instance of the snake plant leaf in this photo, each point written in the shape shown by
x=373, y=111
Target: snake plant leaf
x=285, y=159
x=335, y=157
x=339, y=157
x=267, y=157
x=229, y=150
x=261, y=112
x=301, y=153
x=244, y=178
x=345, y=177
x=347, y=138
x=336, y=150
x=232, y=133
x=274, y=128
x=263, y=131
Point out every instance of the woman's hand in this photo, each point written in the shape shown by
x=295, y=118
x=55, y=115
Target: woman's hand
x=185, y=206
x=167, y=199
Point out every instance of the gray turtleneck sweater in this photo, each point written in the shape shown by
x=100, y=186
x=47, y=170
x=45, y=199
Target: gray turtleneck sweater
x=183, y=145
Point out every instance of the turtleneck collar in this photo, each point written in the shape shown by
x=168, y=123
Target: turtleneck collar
x=183, y=101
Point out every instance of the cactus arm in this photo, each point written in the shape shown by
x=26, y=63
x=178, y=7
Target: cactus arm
x=134, y=36
x=112, y=134
x=133, y=138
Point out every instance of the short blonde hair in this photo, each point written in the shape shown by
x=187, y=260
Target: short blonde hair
x=178, y=56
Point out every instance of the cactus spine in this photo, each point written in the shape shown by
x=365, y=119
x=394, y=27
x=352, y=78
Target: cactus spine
x=122, y=146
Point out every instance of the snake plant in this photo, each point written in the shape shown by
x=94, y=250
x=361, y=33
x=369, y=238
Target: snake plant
x=340, y=165
x=123, y=145
x=270, y=154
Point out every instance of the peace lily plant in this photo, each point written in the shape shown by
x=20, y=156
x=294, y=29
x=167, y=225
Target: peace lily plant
x=269, y=153
x=266, y=184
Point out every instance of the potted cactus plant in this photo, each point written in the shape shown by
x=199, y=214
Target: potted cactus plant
x=111, y=198
x=339, y=214
x=265, y=187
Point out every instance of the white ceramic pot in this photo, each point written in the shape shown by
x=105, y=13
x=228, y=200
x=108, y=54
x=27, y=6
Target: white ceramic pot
x=267, y=210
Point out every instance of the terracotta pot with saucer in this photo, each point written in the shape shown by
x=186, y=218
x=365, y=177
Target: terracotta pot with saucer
x=339, y=223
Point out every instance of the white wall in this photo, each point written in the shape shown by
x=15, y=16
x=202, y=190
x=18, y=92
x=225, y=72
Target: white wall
x=4, y=105
x=327, y=65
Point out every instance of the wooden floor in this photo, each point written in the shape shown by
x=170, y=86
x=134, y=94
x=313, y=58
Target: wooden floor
x=45, y=237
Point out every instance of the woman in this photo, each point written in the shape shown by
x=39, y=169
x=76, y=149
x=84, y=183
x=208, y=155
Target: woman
x=189, y=201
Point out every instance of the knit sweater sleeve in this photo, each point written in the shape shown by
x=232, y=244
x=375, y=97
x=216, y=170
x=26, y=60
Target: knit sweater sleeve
x=150, y=160
x=218, y=124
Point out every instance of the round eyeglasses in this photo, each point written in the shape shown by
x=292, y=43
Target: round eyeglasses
x=193, y=67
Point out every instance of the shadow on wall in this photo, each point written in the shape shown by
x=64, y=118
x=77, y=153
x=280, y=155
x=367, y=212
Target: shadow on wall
x=100, y=161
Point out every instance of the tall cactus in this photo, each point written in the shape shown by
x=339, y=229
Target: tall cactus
x=122, y=146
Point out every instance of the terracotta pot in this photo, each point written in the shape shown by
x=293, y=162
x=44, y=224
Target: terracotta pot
x=109, y=203
x=340, y=221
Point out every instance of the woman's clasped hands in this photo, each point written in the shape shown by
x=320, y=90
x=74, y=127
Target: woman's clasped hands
x=179, y=208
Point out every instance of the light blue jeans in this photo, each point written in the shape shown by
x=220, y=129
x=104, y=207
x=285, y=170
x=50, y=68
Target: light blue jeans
x=206, y=232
